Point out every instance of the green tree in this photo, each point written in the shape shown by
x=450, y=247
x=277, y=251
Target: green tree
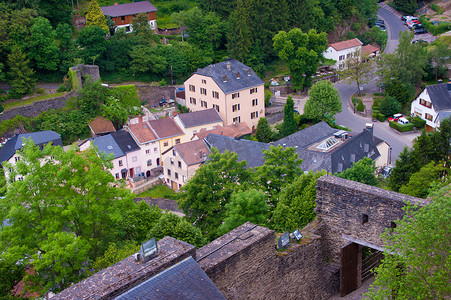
x=389, y=106
x=95, y=16
x=56, y=11
x=239, y=36
x=114, y=254
x=139, y=220
x=289, y=124
x=428, y=177
x=92, y=42
x=357, y=68
x=176, y=227
x=406, y=164
x=115, y=112
x=205, y=195
x=302, y=53
x=93, y=96
x=406, y=6
x=439, y=55
x=20, y=74
x=402, y=92
x=297, y=203
x=280, y=168
x=11, y=273
x=67, y=49
x=62, y=214
x=147, y=59
x=245, y=206
x=417, y=263
x=362, y=171
x=263, y=132
x=140, y=25
x=323, y=102
x=42, y=47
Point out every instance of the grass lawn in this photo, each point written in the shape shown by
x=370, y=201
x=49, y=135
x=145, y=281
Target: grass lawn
x=159, y=191
x=31, y=100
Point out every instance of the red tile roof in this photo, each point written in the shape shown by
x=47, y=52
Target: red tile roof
x=369, y=49
x=193, y=152
x=142, y=132
x=346, y=44
x=233, y=130
x=165, y=128
x=101, y=125
x=128, y=9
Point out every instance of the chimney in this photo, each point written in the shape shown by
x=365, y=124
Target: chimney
x=175, y=113
x=369, y=127
x=344, y=136
x=200, y=154
x=439, y=81
x=115, y=3
x=249, y=73
x=225, y=78
x=140, y=119
x=228, y=65
x=448, y=85
x=238, y=75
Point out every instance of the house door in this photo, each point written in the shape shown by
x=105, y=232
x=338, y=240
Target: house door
x=148, y=174
x=158, y=161
x=131, y=173
x=348, y=270
x=174, y=186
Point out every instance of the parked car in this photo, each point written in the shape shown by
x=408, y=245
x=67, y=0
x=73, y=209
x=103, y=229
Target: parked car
x=412, y=23
x=386, y=171
x=395, y=117
x=420, y=41
x=403, y=121
x=409, y=18
x=381, y=27
x=380, y=22
x=420, y=30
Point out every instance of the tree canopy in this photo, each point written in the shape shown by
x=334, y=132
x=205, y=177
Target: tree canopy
x=289, y=124
x=95, y=16
x=362, y=171
x=323, y=102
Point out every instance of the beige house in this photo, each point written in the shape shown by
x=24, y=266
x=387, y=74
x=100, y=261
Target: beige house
x=181, y=161
x=193, y=122
x=385, y=153
x=167, y=132
x=232, y=88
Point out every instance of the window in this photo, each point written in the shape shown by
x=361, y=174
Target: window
x=215, y=94
x=348, y=55
x=17, y=158
x=203, y=91
x=235, y=95
x=176, y=175
x=169, y=172
x=120, y=163
x=254, y=90
x=173, y=152
x=254, y=102
x=147, y=151
x=364, y=218
x=172, y=161
x=203, y=103
x=134, y=158
x=177, y=141
x=179, y=164
x=254, y=114
x=155, y=149
x=183, y=178
x=425, y=103
x=216, y=107
x=192, y=100
x=428, y=116
x=117, y=175
x=165, y=144
x=341, y=57
x=138, y=170
x=192, y=88
x=204, y=81
x=236, y=107
x=122, y=18
x=149, y=162
x=236, y=120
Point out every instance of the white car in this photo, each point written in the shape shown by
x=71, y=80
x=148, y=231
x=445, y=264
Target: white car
x=403, y=121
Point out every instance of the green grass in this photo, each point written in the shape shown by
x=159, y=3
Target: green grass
x=160, y=191
x=31, y=100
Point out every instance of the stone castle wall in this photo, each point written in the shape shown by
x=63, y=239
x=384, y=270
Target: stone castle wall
x=153, y=94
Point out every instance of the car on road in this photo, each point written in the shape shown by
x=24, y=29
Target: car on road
x=381, y=27
x=403, y=121
x=420, y=30
x=395, y=117
x=412, y=23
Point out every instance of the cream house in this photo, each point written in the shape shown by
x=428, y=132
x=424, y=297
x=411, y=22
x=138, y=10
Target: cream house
x=232, y=88
x=341, y=51
x=181, y=161
x=167, y=132
x=193, y=122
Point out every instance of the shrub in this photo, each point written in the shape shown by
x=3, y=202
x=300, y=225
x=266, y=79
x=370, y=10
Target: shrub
x=1, y=108
x=162, y=82
x=389, y=106
x=360, y=106
x=127, y=95
x=436, y=8
x=268, y=96
x=401, y=127
x=442, y=27
x=61, y=88
x=40, y=91
x=3, y=98
x=418, y=122
x=378, y=116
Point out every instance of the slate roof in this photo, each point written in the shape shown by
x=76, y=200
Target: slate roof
x=125, y=141
x=440, y=95
x=193, y=152
x=200, y=117
x=165, y=128
x=184, y=280
x=307, y=136
x=346, y=44
x=142, y=132
x=128, y=9
x=234, y=131
x=39, y=138
x=101, y=125
x=444, y=115
x=219, y=71
x=249, y=151
x=107, y=144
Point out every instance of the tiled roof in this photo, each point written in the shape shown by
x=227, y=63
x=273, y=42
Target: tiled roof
x=39, y=138
x=346, y=44
x=125, y=141
x=218, y=72
x=249, y=151
x=107, y=144
x=200, y=117
x=165, y=128
x=440, y=96
x=142, y=132
x=370, y=49
x=101, y=125
x=184, y=280
x=128, y=9
x=193, y=152
x=234, y=131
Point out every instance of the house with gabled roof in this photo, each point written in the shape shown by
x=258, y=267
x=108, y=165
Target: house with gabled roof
x=181, y=161
x=167, y=132
x=230, y=87
x=101, y=126
x=122, y=14
x=234, y=131
x=341, y=51
x=195, y=121
x=433, y=105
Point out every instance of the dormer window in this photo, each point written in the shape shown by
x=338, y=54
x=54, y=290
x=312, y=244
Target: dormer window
x=238, y=75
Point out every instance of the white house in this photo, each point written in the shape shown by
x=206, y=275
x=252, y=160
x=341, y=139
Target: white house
x=433, y=104
x=341, y=51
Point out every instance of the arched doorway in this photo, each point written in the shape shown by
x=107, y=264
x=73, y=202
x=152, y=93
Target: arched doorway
x=148, y=174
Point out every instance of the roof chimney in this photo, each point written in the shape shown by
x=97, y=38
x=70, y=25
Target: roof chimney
x=448, y=85
x=140, y=119
x=175, y=113
x=439, y=81
x=238, y=75
x=249, y=73
x=228, y=65
x=225, y=78
x=115, y=3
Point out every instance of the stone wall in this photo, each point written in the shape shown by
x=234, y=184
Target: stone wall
x=162, y=203
x=34, y=109
x=244, y=264
x=342, y=206
x=153, y=94
x=83, y=70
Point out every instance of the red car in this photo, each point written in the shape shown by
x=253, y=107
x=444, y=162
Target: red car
x=395, y=117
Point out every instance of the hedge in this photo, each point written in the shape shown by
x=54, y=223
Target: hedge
x=442, y=27
x=401, y=127
x=76, y=84
x=127, y=95
x=360, y=106
x=418, y=122
x=378, y=116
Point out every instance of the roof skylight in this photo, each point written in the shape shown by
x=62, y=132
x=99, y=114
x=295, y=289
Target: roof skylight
x=327, y=144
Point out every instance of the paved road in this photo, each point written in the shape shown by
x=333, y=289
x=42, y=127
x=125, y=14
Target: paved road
x=393, y=24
